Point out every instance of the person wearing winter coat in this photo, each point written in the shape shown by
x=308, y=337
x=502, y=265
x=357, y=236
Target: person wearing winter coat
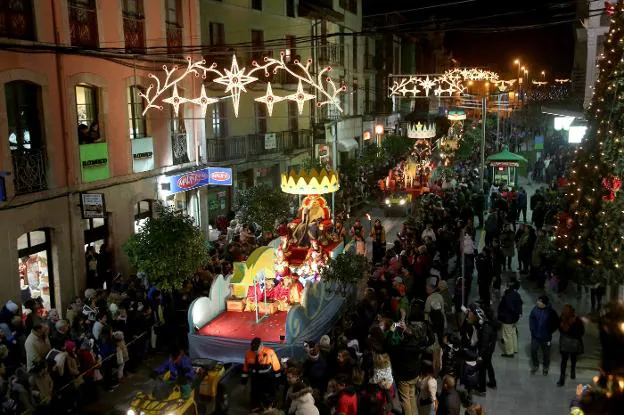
x=302, y=401
x=509, y=312
x=315, y=368
x=347, y=397
x=405, y=358
x=484, y=275
x=522, y=204
x=571, y=331
x=543, y=322
x=507, y=243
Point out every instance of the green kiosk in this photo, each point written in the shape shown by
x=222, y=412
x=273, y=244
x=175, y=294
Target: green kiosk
x=505, y=167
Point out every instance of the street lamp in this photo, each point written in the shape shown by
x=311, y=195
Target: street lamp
x=379, y=130
x=544, y=75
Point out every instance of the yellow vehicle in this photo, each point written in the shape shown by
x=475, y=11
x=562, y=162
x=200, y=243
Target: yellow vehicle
x=174, y=404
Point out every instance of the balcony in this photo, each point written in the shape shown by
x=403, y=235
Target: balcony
x=83, y=26
x=16, y=20
x=174, y=39
x=134, y=34
x=256, y=145
x=331, y=54
x=29, y=170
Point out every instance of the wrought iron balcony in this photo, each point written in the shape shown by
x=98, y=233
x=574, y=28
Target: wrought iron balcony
x=331, y=54
x=174, y=39
x=134, y=34
x=29, y=170
x=255, y=145
x=17, y=20
x=83, y=26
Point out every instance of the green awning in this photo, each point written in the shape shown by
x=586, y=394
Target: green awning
x=506, y=155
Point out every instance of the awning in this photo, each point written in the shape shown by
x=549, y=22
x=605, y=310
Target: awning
x=504, y=156
x=347, y=144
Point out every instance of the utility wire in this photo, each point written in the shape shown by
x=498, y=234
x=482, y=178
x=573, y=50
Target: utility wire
x=435, y=6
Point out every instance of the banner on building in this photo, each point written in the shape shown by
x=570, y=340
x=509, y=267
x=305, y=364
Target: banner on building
x=94, y=162
x=216, y=176
x=539, y=142
x=142, y=154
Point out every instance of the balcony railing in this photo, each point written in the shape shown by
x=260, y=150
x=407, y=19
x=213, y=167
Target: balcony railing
x=134, y=34
x=254, y=145
x=16, y=20
x=83, y=26
x=179, y=148
x=29, y=170
x=174, y=39
x=331, y=54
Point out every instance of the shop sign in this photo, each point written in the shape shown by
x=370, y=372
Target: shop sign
x=92, y=205
x=142, y=154
x=539, y=142
x=270, y=141
x=94, y=162
x=216, y=176
x=504, y=164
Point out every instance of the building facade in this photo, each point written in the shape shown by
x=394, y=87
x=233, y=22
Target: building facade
x=590, y=37
x=71, y=123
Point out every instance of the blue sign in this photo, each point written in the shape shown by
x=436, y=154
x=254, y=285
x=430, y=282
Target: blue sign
x=217, y=176
x=539, y=142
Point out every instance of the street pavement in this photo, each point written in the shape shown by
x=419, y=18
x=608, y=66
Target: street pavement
x=518, y=391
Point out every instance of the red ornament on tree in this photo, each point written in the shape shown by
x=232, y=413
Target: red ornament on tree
x=612, y=185
x=609, y=8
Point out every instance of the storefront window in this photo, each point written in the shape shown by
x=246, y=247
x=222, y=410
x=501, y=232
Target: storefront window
x=35, y=268
x=95, y=232
x=142, y=211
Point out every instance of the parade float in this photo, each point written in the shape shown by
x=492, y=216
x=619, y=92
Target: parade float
x=276, y=294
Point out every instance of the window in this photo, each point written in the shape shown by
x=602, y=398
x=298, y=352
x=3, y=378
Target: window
x=261, y=118
x=355, y=97
x=134, y=26
x=257, y=45
x=219, y=120
x=18, y=20
x=86, y=104
x=83, y=23
x=291, y=48
x=349, y=5
x=293, y=116
x=143, y=210
x=355, y=53
x=256, y=4
x=23, y=100
x=174, y=9
x=290, y=8
x=367, y=106
x=136, y=105
x=217, y=34
x=341, y=44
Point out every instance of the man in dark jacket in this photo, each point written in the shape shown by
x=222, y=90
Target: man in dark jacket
x=543, y=322
x=509, y=312
x=484, y=275
x=487, y=343
x=522, y=204
x=492, y=230
x=478, y=204
x=535, y=199
x=405, y=358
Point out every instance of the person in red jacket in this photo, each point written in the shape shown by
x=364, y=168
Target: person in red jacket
x=347, y=397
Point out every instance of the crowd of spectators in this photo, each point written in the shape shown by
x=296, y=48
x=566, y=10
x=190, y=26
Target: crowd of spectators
x=54, y=365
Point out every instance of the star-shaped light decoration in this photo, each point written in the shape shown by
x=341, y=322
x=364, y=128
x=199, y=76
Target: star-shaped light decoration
x=175, y=100
x=235, y=81
x=300, y=97
x=269, y=99
x=203, y=101
x=427, y=84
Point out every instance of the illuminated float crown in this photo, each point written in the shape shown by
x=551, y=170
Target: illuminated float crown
x=421, y=131
x=456, y=115
x=310, y=183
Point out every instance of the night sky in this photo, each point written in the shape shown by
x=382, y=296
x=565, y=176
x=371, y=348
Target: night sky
x=477, y=31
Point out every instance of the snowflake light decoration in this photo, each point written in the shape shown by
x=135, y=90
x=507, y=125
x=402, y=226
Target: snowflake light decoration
x=237, y=79
x=539, y=83
x=445, y=85
x=503, y=85
x=562, y=81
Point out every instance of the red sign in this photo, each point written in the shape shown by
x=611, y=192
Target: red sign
x=220, y=176
x=188, y=181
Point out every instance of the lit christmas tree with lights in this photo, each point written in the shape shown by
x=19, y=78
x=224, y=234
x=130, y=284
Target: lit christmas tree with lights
x=591, y=231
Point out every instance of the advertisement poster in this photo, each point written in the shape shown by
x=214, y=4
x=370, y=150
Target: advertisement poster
x=92, y=205
x=216, y=176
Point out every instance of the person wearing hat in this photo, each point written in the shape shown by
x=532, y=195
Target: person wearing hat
x=543, y=322
x=262, y=366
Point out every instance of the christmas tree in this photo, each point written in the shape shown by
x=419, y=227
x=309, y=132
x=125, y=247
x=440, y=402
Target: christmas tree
x=591, y=231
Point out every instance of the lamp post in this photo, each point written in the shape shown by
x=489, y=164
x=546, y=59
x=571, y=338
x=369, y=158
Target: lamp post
x=379, y=130
x=543, y=75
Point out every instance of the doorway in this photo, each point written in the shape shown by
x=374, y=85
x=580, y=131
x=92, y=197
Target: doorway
x=34, y=250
